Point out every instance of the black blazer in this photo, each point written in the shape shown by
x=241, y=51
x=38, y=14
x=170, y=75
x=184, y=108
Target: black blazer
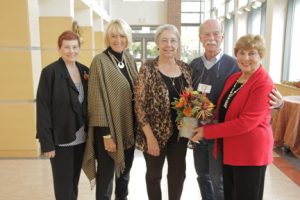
x=59, y=112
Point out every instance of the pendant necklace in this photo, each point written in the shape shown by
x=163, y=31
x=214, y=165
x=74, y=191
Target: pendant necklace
x=232, y=93
x=119, y=63
x=172, y=80
x=180, y=81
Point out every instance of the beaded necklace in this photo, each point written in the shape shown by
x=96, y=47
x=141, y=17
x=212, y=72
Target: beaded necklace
x=232, y=93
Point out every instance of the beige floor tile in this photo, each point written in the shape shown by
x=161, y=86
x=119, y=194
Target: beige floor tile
x=31, y=179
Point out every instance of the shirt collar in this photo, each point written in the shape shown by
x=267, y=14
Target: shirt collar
x=210, y=63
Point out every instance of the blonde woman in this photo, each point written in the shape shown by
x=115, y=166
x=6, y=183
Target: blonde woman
x=111, y=116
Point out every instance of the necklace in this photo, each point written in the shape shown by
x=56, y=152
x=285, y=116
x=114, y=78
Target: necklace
x=180, y=84
x=119, y=63
x=232, y=93
x=173, y=81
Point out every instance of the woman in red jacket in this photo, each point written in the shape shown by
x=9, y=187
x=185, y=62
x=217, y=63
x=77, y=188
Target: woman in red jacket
x=244, y=116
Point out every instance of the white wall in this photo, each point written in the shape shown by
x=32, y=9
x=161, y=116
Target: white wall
x=275, y=33
x=50, y=8
x=33, y=14
x=139, y=13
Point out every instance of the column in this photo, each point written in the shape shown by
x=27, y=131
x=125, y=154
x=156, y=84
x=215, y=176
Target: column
x=174, y=16
x=84, y=18
x=19, y=64
x=56, y=16
x=99, y=35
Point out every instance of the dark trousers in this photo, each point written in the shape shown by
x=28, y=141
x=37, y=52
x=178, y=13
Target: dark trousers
x=66, y=168
x=244, y=182
x=105, y=172
x=175, y=153
x=209, y=171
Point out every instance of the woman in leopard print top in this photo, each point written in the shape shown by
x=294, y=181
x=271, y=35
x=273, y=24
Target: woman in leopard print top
x=160, y=81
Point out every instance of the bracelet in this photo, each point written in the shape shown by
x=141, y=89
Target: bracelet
x=106, y=136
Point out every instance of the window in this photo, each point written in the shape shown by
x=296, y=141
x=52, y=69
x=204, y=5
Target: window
x=220, y=4
x=230, y=6
x=192, y=14
x=143, y=46
x=228, y=36
x=151, y=49
x=190, y=44
x=256, y=17
x=136, y=51
x=228, y=32
x=191, y=11
x=190, y=18
x=243, y=3
x=291, y=69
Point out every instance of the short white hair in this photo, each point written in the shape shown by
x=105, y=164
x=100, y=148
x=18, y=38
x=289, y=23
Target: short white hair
x=216, y=22
x=164, y=27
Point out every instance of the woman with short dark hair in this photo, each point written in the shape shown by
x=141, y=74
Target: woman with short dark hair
x=61, y=106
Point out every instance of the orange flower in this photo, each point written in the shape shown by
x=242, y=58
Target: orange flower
x=180, y=103
x=187, y=111
x=186, y=94
x=193, y=104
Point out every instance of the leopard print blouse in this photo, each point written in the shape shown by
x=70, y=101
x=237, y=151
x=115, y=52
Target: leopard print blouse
x=152, y=104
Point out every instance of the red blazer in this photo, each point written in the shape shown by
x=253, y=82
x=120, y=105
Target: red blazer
x=246, y=131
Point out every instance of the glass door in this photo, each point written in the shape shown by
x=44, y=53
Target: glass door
x=143, y=45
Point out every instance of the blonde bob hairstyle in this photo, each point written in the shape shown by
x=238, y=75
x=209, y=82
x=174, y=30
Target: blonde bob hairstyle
x=118, y=27
x=250, y=41
x=164, y=27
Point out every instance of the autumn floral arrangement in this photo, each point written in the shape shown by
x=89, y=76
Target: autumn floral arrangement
x=192, y=105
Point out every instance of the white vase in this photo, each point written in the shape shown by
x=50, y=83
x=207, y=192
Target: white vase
x=188, y=124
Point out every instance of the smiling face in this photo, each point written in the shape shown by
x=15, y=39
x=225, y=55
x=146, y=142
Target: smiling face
x=249, y=51
x=69, y=50
x=211, y=37
x=248, y=60
x=118, y=35
x=118, y=42
x=167, y=44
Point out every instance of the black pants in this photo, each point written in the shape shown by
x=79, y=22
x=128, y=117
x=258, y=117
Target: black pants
x=66, y=168
x=175, y=153
x=244, y=182
x=105, y=172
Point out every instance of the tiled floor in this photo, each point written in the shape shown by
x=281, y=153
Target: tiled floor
x=30, y=179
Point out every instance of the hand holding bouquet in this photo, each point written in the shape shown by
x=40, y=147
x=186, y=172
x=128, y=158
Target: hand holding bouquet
x=191, y=107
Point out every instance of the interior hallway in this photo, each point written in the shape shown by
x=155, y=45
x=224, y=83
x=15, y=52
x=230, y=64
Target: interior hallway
x=31, y=179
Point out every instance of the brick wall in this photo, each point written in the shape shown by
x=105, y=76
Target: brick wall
x=174, y=16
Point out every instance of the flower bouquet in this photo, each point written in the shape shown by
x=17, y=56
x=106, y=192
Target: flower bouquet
x=192, y=107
